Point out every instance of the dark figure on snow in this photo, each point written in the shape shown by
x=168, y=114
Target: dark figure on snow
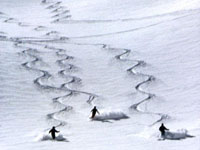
x=53, y=132
x=162, y=129
x=94, y=111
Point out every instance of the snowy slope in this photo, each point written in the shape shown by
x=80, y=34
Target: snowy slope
x=136, y=60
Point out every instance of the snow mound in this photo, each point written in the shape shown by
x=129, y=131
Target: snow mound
x=47, y=137
x=110, y=116
x=180, y=134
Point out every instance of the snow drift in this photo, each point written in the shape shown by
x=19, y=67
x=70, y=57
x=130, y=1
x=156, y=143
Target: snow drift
x=111, y=116
x=178, y=135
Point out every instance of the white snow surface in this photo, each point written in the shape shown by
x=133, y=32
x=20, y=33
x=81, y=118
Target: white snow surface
x=136, y=60
x=110, y=116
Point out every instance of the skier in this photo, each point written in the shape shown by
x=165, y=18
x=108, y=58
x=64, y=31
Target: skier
x=94, y=111
x=53, y=132
x=162, y=129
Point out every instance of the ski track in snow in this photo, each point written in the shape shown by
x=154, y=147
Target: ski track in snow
x=129, y=30
x=149, y=78
x=46, y=75
x=63, y=87
x=61, y=14
x=138, y=87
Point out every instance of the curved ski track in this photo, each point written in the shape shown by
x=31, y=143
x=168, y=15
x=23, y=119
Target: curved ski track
x=63, y=13
x=138, y=87
x=132, y=70
x=46, y=75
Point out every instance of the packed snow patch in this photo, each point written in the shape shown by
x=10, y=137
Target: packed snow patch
x=110, y=116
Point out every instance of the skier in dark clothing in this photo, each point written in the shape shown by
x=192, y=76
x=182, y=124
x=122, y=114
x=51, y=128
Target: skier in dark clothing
x=162, y=129
x=94, y=111
x=53, y=132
